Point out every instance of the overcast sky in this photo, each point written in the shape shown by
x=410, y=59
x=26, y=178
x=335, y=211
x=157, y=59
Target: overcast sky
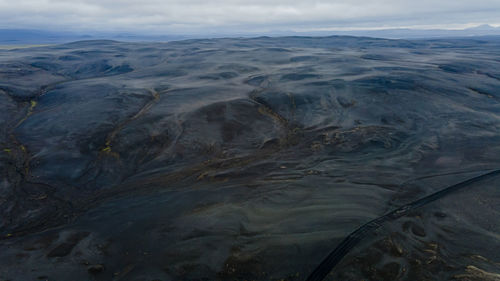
x=193, y=16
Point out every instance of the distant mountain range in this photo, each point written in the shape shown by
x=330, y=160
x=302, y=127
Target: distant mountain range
x=406, y=33
x=27, y=36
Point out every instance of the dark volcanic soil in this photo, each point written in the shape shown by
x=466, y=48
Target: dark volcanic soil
x=248, y=159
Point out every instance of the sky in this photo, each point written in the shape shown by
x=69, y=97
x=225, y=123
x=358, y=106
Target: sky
x=197, y=16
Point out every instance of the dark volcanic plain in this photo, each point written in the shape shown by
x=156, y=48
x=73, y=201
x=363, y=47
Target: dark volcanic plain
x=248, y=159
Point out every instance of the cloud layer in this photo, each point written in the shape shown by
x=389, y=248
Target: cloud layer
x=178, y=16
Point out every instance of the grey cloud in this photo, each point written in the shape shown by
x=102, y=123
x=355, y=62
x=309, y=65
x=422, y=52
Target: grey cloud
x=194, y=15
